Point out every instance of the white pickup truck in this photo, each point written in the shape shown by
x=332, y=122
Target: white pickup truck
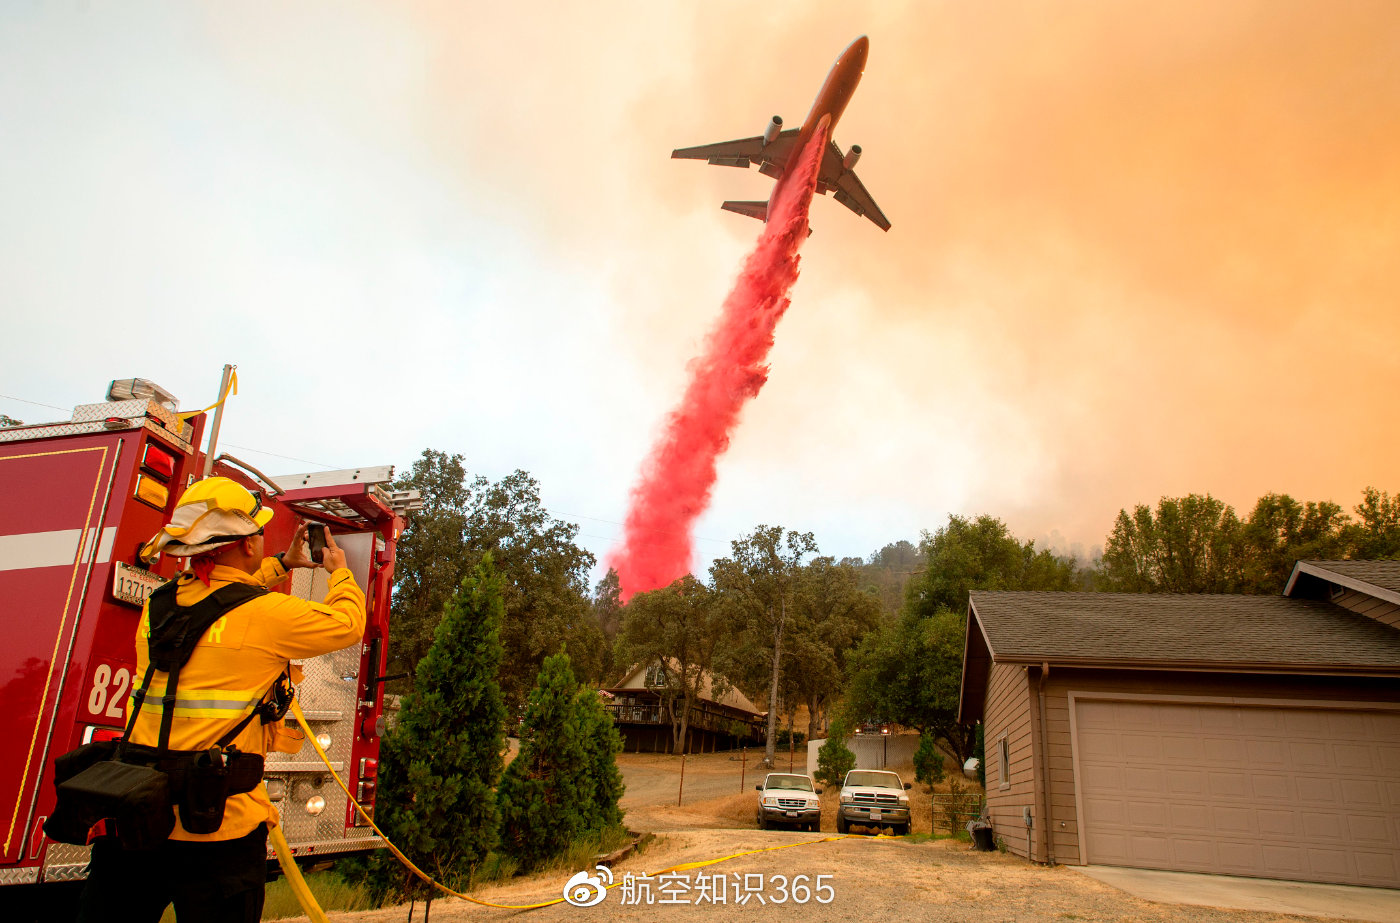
x=873, y=798
x=789, y=798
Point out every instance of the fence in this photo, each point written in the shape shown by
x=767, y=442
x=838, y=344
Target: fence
x=873, y=751
x=953, y=811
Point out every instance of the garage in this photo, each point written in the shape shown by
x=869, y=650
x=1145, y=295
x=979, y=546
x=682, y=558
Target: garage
x=1301, y=793
x=1245, y=735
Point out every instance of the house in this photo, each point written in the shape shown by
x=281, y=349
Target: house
x=724, y=722
x=1238, y=735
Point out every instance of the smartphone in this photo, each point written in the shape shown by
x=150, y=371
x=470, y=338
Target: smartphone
x=316, y=538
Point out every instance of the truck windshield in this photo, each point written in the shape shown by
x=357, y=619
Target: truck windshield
x=873, y=779
x=792, y=783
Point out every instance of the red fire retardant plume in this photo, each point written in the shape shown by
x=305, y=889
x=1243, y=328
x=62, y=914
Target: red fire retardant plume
x=679, y=474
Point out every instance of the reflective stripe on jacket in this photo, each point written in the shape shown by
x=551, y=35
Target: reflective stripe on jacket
x=235, y=664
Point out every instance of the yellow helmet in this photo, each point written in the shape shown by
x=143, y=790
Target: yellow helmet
x=214, y=512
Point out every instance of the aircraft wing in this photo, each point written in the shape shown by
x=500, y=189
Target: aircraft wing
x=744, y=152
x=847, y=187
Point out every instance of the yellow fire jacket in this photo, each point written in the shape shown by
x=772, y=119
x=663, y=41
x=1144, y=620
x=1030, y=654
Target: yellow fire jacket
x=235, y=664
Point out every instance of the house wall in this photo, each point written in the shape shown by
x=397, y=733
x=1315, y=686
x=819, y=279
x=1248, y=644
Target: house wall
x=1364, y=604
x=1010, y=788
x=1063, y=805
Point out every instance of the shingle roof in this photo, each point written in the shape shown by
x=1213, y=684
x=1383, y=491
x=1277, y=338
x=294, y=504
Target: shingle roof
x=1366, y=576
x=1216, y=630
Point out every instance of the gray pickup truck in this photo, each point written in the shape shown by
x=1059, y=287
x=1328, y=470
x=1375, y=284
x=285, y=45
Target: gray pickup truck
x=873, y=798
x=789, y=798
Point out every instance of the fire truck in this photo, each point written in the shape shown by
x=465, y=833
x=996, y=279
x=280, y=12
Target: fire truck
x=79, y=498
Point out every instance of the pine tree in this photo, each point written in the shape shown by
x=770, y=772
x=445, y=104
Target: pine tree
x=928, y=762
x=440, y=764
x=835, y=759
x=546, y=793
x=601, y=744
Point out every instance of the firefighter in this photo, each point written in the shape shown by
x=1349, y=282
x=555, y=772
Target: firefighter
x=233, y=670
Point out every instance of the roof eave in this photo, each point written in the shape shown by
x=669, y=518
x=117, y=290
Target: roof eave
x=1351, y=583
x=1213, y=666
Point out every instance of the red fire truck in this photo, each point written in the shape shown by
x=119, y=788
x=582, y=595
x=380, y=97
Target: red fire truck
x=78, y=499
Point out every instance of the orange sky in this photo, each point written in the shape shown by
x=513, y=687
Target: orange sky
x=1138, y=249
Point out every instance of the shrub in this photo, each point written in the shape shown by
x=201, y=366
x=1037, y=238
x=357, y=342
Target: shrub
x=835, y=759
x=928, y=761
x=788, y=738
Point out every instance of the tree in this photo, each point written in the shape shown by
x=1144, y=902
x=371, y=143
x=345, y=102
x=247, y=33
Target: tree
x=1281, y=531
x=756, y=583
x=441, y=763
x=910, y=673
x=1376, y=536
x=601, y=745
x=546, y=793
x=981, y=554
x=833, y=615
x=678, y=627
x=1191, y=544
x=928, y=762
x=889, y=570
x=834, y=758
x=545, y=574
x=607, y=614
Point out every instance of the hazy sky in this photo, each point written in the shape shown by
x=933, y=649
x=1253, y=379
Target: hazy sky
x=1139, y=249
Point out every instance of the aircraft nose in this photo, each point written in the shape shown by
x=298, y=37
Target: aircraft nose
x=860, y=48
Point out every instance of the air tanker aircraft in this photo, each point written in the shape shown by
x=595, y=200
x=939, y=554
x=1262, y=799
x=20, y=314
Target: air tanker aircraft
x=772, y=150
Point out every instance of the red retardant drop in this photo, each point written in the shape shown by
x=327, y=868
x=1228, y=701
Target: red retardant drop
x=679, y=474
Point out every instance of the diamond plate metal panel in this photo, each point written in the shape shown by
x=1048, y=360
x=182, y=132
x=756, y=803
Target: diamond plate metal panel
x=329, y=697
x=24, y=433
x=19, y=876
x=355, y=841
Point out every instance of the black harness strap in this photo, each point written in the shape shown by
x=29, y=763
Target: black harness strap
x=174, y=632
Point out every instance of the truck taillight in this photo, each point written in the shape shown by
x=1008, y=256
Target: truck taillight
x=369, y=767
x=151, y=492
x=158, y=462
x=364, y=792
x=95, y=734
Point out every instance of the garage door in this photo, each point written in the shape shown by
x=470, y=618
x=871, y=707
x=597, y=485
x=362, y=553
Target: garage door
x=1305, y=794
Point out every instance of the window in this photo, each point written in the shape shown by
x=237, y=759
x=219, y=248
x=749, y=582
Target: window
x=1003, y=763
x=655, y=676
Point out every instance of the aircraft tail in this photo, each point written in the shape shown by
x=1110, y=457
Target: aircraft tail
x=757, y=210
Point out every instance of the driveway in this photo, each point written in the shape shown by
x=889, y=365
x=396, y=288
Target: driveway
x=1301, y=897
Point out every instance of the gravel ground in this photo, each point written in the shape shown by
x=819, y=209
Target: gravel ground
x=873, y=878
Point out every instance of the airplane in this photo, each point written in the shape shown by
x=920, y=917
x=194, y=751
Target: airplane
x=772, y=150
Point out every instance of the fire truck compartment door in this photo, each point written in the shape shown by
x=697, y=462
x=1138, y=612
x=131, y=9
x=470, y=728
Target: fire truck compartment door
x=51, y=539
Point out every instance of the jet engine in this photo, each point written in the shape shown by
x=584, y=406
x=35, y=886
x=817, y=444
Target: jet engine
x=851, y=157
x=770, y=132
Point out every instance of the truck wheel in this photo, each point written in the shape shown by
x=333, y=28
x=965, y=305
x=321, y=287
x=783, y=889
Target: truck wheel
x=762, y=822
x=841, y=825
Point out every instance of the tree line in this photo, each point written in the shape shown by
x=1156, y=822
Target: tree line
x=882, y=636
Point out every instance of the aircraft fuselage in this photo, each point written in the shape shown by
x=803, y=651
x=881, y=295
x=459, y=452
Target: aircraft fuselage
x=837, y=91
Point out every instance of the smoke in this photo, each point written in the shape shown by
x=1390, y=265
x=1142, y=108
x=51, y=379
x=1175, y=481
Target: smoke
x=679, y=474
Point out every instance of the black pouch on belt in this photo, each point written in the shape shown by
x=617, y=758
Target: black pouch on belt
x=205, y=791
x=136, y=796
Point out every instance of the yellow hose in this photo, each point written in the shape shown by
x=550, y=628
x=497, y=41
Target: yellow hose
x=293, y=873
x=306, y=729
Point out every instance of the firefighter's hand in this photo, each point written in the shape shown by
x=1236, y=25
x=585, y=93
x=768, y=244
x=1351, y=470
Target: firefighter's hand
x=332, y=558
x=297, y=555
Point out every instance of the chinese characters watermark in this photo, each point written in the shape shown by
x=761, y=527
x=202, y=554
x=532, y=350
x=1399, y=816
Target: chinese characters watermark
x=733, y=889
